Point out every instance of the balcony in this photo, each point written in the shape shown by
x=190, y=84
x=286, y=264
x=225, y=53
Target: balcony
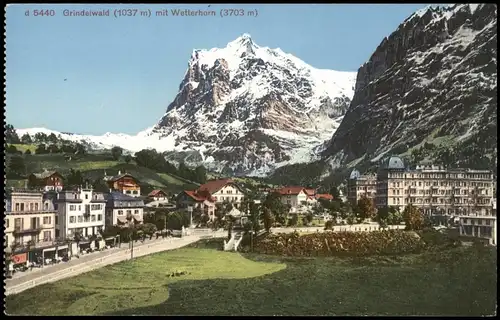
x=32, y=229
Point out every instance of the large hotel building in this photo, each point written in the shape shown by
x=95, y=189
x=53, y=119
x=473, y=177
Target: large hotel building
x=466, y=194
x=433, y=189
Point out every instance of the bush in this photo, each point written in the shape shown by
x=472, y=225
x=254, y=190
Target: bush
x=293, y=221
x=435, y=240
x=387, y=242
x=329, y=225
x=176, y=220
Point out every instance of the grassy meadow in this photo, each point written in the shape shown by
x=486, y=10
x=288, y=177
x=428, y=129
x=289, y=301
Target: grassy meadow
x=458, y=282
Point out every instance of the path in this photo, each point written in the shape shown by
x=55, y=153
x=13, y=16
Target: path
x=94, y=261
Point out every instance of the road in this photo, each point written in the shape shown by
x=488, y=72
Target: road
x=94, y=261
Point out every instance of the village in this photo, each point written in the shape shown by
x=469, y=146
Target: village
x=48, y=222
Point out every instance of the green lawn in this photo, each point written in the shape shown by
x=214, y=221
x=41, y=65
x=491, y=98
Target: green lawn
x=24, y=147
x=458, y=282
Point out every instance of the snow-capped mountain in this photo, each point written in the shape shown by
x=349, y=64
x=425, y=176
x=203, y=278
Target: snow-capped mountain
x=244, y=109
x=249, y=109
x=428, y=92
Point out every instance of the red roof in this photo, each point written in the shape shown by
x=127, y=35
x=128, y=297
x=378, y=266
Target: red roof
x=325, y=196
x=213, y=186
x=310, y=192
x=199, y=197
x=290, y=190
x=157, y=192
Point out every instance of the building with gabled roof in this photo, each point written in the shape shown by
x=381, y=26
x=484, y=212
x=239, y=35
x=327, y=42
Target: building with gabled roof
x=46, y=181
x=222, y=190
x=123, y=182
x=293, y=196
x=192, y=200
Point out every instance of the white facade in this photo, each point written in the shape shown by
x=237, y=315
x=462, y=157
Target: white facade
x=229, y=192
x=52, y=188
x=294, y=200
x=117, y=216
x=436, y=190
x=82, y=210
x=480, y=227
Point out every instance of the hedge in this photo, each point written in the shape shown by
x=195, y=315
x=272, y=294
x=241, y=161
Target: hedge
x=385, y=242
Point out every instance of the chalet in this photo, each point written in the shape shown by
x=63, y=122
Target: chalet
x=293, y=196
x=223, y=190
x=158, y=195
x=192, y=200
x=122, y=209
x=125, y=183
x=47, y=181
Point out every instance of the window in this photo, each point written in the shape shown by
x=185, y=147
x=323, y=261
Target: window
x=72, y=207
x=86, y=196
x=129, y=211
x=80, y=219
x=79, y=208
x=488, y=222
x=31, y=206
x=46, y=205
x=136, y=211
x=72, y=219
x=127, y=192
x=22, y=206
x=120, y=212
x=47, y=220
x=57, y=220
x=99, y=217
x=7, y=223
x=17, y=206
x=135, y=192
x=76, y=197
x=93, y=218
x=46, y=236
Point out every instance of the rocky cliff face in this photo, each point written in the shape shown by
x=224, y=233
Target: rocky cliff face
x=429, y=91
x=248, y=109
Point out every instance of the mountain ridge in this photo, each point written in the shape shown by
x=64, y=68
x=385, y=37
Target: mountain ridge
x=433, y=80
x=243, y=109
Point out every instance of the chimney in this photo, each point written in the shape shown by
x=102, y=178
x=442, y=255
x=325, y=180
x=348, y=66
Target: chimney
x=119, y=172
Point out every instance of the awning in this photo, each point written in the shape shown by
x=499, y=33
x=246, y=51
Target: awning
x=49, y=249
x=62, y=247
x=138, y=218
x=121, y=220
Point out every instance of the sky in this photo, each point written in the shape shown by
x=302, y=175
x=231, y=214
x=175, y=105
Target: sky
x=93, y=75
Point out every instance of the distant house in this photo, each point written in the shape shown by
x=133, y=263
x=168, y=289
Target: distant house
x=47, y=181
x=202, y=200
x=158, y=195
x=223, y=190
x=293, y=196
x=122, y=209
x=324, y=196
x=125, y=183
